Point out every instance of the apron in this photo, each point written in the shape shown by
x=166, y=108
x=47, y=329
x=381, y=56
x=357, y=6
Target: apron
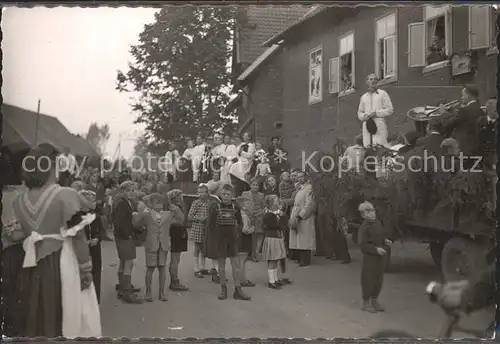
x=81, y=315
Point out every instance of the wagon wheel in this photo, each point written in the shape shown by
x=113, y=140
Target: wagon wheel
x=461, y=258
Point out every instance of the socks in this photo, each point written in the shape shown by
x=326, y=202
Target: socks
x=275, y=275
x=202, y=262
x=196, y=264
x=270, y=272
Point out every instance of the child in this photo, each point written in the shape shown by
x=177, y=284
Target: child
x=286, y=187
x=157, y=243
x=93, y=233
x=197, y=216
x=374, y=245
x=273, y=248
x=257, y=204
x=214, y=185
x=245, y=242
x=259, y=151
x=263, y=168
x=178, y=236
x=223, y=221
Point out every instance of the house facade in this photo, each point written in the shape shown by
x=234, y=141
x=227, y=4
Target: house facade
x=257, y=70
x=422, y=55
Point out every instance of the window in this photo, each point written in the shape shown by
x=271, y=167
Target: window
x=429, y=42
x=480, y=27
x=315, y=72
x=333, y=75
x=385, y=47
x=346, y=62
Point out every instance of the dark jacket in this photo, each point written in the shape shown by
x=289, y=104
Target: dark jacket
x=271, y=226
x=487, y=134
x=431, y=143
x=372, y=235
x=123, y=220
x=463, y=126
x=94, y=230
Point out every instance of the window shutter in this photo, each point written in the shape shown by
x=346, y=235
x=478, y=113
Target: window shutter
x=390, y=56
x=334, y=77
x=479, y=27
x=416, y=45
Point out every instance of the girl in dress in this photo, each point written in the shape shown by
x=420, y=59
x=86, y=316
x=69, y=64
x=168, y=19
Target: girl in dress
x=224, y=218
x=157, y=243
x=178, y=236
x=93, y=233
x=273, y=249
x=197, y=217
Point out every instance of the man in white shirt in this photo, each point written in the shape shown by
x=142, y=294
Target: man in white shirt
x=375, y=104
x=197, y=155
x=66, y=164
x=172, y=157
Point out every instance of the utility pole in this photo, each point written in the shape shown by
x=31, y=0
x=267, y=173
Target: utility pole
x=37, y=122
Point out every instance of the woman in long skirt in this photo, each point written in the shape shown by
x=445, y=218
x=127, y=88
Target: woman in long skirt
x=49, y=309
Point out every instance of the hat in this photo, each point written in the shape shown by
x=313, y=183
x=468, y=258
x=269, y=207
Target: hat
x=128, y=185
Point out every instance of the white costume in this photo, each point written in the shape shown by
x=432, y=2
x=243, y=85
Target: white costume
x=380, y=103
x=230, y=153
x=244, y=164
x=197, y=155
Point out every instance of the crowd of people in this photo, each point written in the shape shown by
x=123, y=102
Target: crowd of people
x=250, y=206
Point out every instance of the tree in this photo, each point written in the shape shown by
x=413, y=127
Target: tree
x=181, y=72
x=98, y=136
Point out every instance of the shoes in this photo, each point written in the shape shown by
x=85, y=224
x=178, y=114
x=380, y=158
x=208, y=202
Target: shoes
x=247, y=283
x=177, y=286
x=205, y=272
x=148, y=297
x=240, y=295
x=285, y=281
x=198, y=274
x=377, y=306
x=213, y=272
x=273, y=285
x=162, y=296
x=345, y=261
x=367, y=307
x=132, y=298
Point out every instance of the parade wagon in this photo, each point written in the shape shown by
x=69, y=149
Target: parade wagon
x=451, y=212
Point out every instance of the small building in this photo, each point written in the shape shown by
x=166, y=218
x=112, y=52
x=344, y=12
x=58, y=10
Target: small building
x=422, y=55
x=23, y=129
x=257, y=70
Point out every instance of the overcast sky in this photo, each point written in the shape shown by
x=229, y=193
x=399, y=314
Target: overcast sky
x=68, y=57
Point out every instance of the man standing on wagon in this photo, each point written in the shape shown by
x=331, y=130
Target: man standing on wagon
x=374, y=106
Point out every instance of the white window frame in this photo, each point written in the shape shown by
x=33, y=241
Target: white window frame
x=377, y=47
x=320, y=99
x=336, y=62
x=444, y=10
x=488, y=28
x=353, y=62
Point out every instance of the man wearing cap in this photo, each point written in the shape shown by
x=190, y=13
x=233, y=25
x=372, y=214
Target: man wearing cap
x=463, y=123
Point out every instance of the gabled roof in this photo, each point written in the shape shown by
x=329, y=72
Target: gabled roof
x=20, y=126
x=255, y=64
x=260, y=24
x=308, y=15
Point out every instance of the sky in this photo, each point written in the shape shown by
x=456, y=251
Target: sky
x=68, y=58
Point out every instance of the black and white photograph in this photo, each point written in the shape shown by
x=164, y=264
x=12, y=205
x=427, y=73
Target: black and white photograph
x=165, y=172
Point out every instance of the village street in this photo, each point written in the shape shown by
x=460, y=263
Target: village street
x=322, y=302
